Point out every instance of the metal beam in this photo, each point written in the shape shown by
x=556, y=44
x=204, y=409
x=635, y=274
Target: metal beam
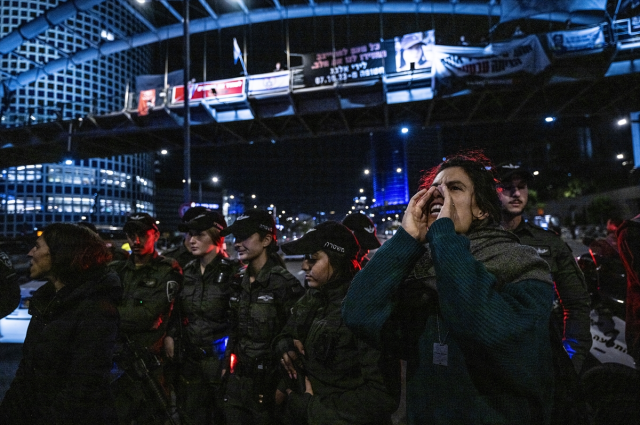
x=528, y=97
x=243, y=7
x=208, y=8
x=138, y=16
x=573, y=99
x=42, y=23
x=171, y=10
x=475, y=107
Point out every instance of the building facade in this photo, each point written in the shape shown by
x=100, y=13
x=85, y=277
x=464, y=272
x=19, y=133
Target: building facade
x=102, y=191
x=95, y=87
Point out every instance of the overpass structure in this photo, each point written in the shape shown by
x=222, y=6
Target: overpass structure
x=586, y=79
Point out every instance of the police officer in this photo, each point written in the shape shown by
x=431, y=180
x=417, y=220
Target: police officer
x=346, y=381
x=260, y=308
x=9, y=288
x=150, y=284
x=182, y=253
x=569, y=281
x=365, y=232
x=203, y=329
x=571, y=321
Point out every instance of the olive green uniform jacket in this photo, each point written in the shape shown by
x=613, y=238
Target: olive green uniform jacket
x=571, y=289
x=148, y=298
x=352, y=382
x=260, y=310
x=203, y=305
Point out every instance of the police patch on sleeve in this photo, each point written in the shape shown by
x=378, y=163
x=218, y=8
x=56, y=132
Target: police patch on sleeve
x=172, y=290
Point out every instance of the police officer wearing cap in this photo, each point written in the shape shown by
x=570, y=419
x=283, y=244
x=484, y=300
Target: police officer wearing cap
x=573, y=297
x=150, y=284
x=570, y=323
x=9, y=287
x=182, y=253
x=365, y=232
x=260, y=308
x=333, y=377
x=202, y=332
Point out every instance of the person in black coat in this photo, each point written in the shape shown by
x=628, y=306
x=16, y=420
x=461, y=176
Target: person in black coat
x=63, y=377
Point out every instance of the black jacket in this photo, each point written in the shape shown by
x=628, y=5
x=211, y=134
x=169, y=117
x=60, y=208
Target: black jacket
x=63, y=377
x=203, y=302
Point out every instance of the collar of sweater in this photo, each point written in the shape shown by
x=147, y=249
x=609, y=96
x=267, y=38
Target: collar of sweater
x=501, y=253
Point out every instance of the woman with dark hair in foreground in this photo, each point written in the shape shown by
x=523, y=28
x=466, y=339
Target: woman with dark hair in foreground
x=63, y=377
x=469, y=310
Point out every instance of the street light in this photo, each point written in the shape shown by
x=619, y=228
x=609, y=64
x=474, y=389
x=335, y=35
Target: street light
x=214, y=180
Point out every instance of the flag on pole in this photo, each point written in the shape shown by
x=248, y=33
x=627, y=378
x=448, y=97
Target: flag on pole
x=237, y=54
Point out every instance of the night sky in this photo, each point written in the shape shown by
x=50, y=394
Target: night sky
x=307, y=176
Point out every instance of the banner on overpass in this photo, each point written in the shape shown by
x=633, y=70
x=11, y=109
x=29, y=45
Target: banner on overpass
x=146, y=101
x=585, y=40
x=410, y=52
x=346, y=65
x=519, y=9
x=268, y=83
x=151, y=88
x=223, y=91
x=502, y=64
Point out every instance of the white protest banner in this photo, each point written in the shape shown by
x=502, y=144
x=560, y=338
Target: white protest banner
x=523, y=55
x=562, y=42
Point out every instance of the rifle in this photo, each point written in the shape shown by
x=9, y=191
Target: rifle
x=135, y=363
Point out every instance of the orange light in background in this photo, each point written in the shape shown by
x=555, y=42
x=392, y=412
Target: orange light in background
x=540, y=211
x=39, y=233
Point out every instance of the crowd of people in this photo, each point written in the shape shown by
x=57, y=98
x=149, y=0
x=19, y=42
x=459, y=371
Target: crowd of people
x=475, y=314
